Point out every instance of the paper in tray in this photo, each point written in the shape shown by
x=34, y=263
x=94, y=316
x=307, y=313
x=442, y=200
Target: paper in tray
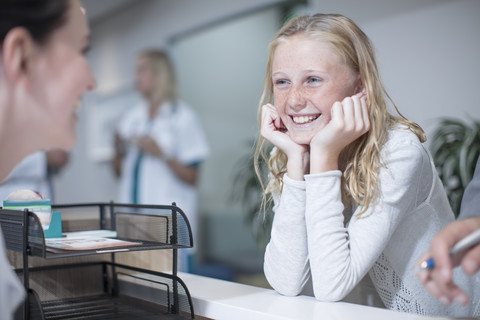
x=86, y=243
x=104, y=233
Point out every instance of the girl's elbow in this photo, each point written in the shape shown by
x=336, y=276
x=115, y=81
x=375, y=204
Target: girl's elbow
x=327, y=298
x=329, y=295
x=287, y=290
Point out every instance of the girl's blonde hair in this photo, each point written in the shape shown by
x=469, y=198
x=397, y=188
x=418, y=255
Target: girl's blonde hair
x=165, y=86
x=360, y=161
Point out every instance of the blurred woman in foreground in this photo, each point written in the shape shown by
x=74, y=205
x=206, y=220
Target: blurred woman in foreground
x=43, y=74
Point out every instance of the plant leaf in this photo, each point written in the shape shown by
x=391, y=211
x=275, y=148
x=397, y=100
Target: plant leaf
x=455, y=148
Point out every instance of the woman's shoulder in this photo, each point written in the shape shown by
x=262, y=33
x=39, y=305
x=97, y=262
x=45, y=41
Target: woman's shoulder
x=184, y=108
x=185, y=113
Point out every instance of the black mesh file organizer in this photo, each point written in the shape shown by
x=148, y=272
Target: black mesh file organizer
x=102, y=289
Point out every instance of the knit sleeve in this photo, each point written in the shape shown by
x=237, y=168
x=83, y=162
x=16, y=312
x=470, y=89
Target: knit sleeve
x=340, y=255
x=286, y=257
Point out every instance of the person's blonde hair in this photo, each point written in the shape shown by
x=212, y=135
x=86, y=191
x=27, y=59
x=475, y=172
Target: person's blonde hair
x=164, y=86
x=360, y=161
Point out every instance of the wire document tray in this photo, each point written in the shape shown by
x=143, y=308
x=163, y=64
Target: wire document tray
x=103, y=289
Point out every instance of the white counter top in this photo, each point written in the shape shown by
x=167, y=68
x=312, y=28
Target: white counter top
x=219, y=300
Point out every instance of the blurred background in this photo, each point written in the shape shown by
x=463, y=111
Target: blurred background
x=428, y=55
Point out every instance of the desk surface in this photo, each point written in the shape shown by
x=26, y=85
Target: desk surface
x=218, y=299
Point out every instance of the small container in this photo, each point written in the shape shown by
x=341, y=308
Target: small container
x=41, y=207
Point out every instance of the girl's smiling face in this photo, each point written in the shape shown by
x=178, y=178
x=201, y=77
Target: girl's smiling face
x=308, y=76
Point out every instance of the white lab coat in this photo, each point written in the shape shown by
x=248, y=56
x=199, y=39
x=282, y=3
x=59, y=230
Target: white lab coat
x=178, y=132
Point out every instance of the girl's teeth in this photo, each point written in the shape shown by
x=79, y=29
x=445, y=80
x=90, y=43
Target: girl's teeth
x=303, y=119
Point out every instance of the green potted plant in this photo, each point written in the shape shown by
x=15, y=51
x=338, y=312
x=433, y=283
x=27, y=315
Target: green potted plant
x=248, y=192
x=455, y=147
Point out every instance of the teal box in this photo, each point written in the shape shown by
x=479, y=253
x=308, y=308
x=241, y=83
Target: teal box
x=55, y=228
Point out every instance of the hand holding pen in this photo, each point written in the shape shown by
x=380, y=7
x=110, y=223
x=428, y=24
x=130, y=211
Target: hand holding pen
x=447, y=251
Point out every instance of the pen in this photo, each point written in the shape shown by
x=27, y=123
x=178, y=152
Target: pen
x=468, y=241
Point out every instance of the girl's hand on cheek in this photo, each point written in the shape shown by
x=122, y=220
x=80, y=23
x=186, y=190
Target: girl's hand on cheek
x=349, y=121
x=273, y=130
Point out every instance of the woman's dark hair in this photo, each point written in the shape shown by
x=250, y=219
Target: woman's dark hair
x=39, y=17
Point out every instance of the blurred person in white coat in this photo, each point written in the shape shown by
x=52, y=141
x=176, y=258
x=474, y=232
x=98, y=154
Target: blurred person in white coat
x=160, y=145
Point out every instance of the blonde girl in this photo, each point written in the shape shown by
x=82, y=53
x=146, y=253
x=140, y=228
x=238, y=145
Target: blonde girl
x=353, y=186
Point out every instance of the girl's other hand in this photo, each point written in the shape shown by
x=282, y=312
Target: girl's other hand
x=349, y=121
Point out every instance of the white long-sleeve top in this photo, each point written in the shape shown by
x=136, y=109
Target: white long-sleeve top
x=311, y=242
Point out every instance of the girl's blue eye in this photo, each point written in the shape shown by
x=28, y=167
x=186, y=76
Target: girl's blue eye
x=314, y=80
